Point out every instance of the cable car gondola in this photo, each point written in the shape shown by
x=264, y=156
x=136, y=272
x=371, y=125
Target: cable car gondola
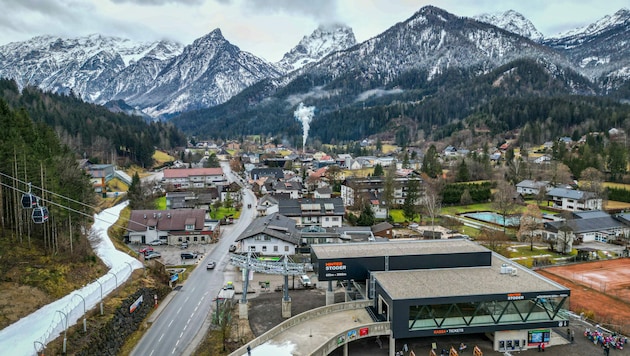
x=40, y=214
x=29, y=200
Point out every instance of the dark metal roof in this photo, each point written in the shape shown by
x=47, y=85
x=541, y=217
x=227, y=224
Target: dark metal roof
x=321, y=206
x=274, y=225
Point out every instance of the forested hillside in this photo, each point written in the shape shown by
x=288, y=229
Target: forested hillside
x=91, y=130
x=523, y=94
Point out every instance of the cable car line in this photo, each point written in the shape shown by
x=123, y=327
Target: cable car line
x=33, y=217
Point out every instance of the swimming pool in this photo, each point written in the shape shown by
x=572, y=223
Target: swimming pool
x=494, y=218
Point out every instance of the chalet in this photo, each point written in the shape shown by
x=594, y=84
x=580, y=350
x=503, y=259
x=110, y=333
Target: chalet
x=294, y=189
x=531, y=187
x=320, y=212
x=172, y=226
x=273, y=235
x=275, y=173
x=586, y=226
x=322, y=193
x=573, y=200
x=267, y=205
x=383, y=229
x=190, y=178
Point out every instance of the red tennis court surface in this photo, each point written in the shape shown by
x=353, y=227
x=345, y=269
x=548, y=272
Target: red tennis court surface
x=600, y=287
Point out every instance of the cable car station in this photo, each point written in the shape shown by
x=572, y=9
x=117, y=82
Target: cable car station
x=432, y=288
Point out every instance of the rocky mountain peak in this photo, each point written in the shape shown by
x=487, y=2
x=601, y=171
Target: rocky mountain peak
x=323, y=41
x=512, y=21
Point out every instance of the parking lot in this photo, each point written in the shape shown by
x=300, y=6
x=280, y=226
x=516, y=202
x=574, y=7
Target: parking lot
x=171, y=255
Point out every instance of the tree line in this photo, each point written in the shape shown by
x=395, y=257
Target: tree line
x=91, y=130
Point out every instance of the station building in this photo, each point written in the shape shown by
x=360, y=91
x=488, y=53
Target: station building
x=446, y=287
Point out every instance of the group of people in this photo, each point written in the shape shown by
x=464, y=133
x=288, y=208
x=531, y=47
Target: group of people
x=606, y=341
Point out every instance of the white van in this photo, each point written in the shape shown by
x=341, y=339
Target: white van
x=305, y=280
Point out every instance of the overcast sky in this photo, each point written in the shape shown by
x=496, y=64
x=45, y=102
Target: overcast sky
x=266, y=28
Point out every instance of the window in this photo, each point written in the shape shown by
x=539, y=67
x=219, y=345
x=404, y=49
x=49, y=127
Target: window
x=275, y=249
x=195, y=238
x=190, y=227
x=264, y=249
x=286, y=248
x=252, y=248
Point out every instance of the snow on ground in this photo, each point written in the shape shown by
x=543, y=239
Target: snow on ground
x=29, y=334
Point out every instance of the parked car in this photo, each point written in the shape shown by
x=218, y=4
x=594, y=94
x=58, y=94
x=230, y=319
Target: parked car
x=151, y=255
x=145, y=250
x=157, y=242
x=184, y=244
x=229, y=285
x=211, y=265
x=188, y=255
x=232, y=248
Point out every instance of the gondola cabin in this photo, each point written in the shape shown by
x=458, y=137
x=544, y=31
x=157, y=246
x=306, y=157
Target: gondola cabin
x=29, y=201
x=40, y=215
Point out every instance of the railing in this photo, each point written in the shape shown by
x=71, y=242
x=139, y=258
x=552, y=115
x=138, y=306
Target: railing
x=300, y=318
x=376, y=329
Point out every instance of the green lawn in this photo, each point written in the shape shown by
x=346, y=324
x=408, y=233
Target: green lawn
x=223, y=212
x=160, y=203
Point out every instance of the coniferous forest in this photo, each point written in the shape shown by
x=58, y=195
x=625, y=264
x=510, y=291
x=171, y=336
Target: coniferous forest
x=91, y=130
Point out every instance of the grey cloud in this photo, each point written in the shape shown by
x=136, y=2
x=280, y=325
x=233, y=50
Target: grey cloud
x=159, y=2
x=322, y=10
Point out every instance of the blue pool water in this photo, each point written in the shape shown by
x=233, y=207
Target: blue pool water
x=494, y=218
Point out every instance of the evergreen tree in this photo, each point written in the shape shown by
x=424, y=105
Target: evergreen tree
x=367, y=216
x=431, y=164
x=410, y=204
x=463, y=175
x=378, y=170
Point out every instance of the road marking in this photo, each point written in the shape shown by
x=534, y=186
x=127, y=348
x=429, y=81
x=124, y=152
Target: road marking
x=191, y=315
x=160, y=339
x=180, y=336
x=152, y=351
x=173, y=350
x=185, y=300
x=169, y=324
x=193, y=289
x=185, y=326
x=179, y=310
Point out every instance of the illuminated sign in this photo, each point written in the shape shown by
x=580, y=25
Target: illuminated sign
x=515, y=296
x=335, y=269
x=448, y=331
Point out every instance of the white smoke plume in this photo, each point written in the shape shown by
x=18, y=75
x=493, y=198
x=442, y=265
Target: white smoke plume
x=304, y=114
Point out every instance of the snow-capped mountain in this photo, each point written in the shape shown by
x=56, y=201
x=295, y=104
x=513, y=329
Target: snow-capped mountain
x=599, y=49
x=165, y=78
x=83, y=65
x=323, y=41
x=512, y=21
x=433, y=41
x=208, y=72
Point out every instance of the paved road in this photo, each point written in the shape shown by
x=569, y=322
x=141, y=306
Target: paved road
x=175, y=329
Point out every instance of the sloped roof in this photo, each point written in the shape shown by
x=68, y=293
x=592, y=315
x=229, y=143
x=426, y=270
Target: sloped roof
x=570, y=194
x=316, y=206
x=166, y=220
x=274, y=225
x=188, y=172
x=581, y=226
x=382, y=226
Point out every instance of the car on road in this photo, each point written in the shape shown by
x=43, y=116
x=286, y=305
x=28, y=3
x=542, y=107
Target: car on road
x=157, y=242
x=232, y=248
x=145, y=250
x=211, y=265
x=305, y=280
x=151, y=255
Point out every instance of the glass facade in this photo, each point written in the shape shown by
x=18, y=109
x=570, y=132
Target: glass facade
x=484, y=313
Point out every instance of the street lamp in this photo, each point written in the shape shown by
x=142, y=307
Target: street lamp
x=65, y=331
x=84, y=315
x=39, y=351
x=100, y=284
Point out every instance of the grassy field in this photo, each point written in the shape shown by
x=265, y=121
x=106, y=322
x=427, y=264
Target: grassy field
x=161, y=157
